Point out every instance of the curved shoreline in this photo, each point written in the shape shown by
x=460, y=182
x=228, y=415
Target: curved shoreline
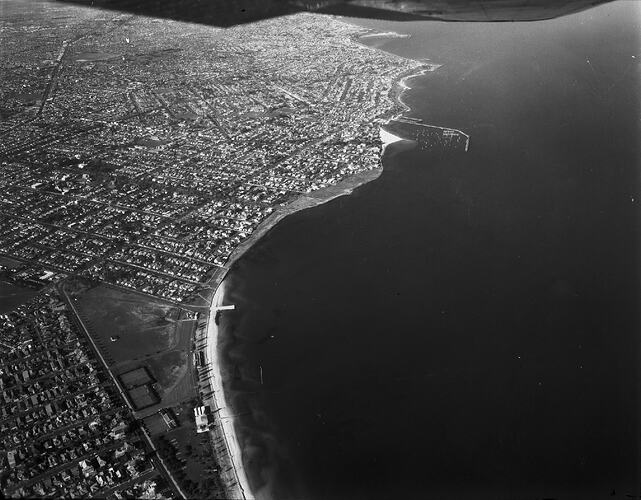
x=399, y=86
x=234, y=476
x=229, y=453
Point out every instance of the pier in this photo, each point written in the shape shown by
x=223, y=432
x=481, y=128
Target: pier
x=229, y=307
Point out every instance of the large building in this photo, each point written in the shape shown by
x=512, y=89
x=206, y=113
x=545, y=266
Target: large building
x=202, y=419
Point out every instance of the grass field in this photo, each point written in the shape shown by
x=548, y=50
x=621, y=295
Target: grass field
x=155, y=424
x=12, y=296
x=143, y=325
x=150, y=335
x=138, y=376
x=153, y=350
x=169, y=368
x=142, y=397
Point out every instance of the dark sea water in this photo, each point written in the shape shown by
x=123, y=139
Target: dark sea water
x=467, y=325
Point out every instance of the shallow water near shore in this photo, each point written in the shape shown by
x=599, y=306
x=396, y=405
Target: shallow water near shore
x=466, y=324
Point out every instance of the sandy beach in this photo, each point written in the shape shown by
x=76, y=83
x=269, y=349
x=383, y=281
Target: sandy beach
x=227, y=447
x=235, y=478
x=387, y=34
x=388, y=138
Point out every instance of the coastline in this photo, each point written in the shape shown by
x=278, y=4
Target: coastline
x=399, y=85
x=227, y=447
x=234, y=475
x=229, y=453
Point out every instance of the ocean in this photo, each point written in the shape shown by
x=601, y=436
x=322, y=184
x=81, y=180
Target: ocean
x=466, y=325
